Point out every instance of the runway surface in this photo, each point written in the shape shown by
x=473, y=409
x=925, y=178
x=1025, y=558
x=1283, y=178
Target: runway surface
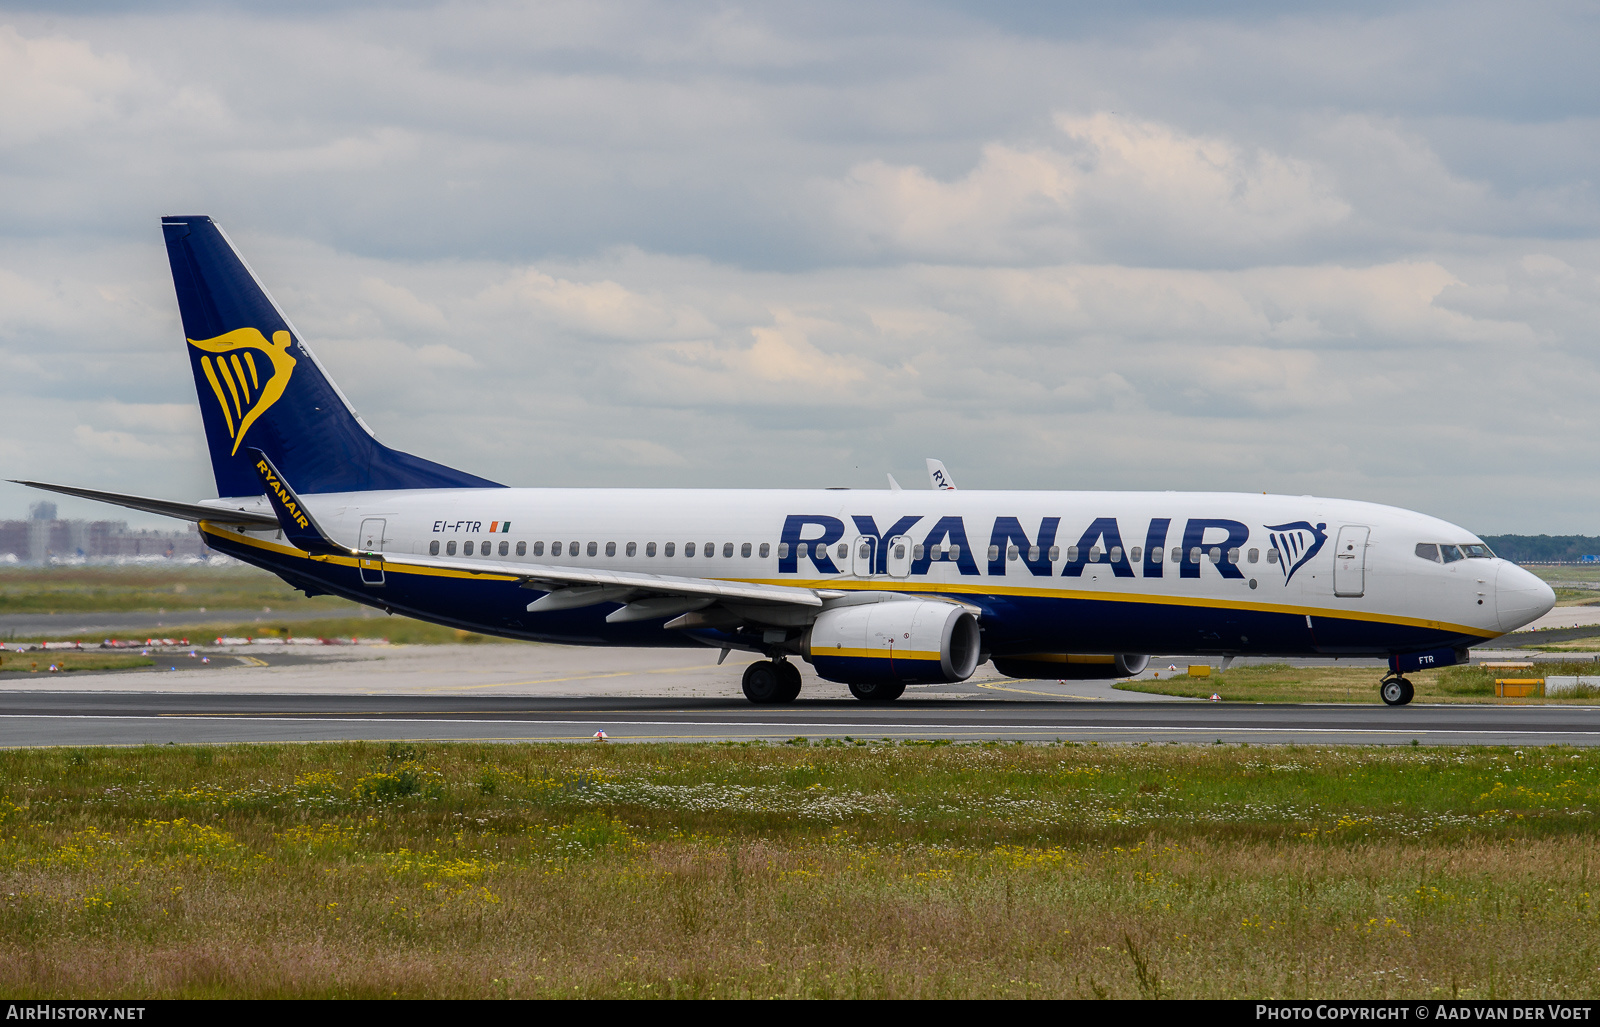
x=88, y=718
x=551, y=693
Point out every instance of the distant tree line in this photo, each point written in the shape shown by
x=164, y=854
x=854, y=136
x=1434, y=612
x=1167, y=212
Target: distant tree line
x=1543, y=548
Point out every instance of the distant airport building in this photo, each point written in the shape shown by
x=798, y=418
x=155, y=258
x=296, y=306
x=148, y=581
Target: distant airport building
x=44, y=538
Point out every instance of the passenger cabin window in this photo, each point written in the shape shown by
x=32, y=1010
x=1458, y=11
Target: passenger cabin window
x=1216, y=554
x=649, y=549
x=802, y=550
x=450, y=548
x=1133, y=554
x=1255, y=556
x=1072, y=554
x=670, y=548
x=1094, y=554
x=763, y=553
x=1451, y=554
x=633, y=547
x=711, y=549
x=611, y=549
x=900, y=551
x=916, y=551
x=505, y=549
x=744, y=550
x=538, y=549
x=555, y=549
x=1272, y=556
x=433, y=548
x=727, y=550
x=1156, y=555
x=466, y=549
x=783, y=550
x=522, y=549
x=1055, y=553
x=1013, y=553
x=1233, y=555
x=688, y=549
x=1428, y=551
x=1033, y=554
x=1116, y=554
x=842, y=552
x=593, y=548
x=1194, y=555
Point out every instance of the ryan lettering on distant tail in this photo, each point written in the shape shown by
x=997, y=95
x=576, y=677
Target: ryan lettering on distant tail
x=244, y=386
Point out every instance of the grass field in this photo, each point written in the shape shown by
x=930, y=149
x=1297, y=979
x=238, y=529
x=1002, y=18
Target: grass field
x=859, y=870
x=1283, y=682
x=40, y=662
x=150, y=588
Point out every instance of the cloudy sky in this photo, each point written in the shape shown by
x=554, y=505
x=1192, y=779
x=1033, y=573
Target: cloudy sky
x=1350, y=250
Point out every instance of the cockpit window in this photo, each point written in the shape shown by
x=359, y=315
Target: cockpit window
x=1451, y=553
x=1478, y=552
x=1428, y=551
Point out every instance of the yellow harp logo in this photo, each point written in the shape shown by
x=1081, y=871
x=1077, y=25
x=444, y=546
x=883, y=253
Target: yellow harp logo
x=247, y=373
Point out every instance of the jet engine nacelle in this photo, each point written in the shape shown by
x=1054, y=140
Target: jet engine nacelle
x=908, y=641
x=1070, y=666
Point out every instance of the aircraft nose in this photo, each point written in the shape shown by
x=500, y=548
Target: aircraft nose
x=1520, y=598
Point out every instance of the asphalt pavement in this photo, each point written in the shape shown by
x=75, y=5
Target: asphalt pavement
x=510, y=693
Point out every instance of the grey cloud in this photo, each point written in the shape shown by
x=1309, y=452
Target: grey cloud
x=1348, y=253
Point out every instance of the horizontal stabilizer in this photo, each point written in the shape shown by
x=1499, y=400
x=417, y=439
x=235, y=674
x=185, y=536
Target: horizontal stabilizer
x=164, y=507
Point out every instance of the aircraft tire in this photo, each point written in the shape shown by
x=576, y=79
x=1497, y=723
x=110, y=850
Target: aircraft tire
x=877, y=691
x=1396, y=691
x=790, y=675
x=764, y=683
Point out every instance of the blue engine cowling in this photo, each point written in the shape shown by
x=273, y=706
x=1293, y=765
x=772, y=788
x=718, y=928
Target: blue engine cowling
x=1070, y=666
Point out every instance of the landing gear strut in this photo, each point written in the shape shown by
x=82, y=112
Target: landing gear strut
x=771, y=681
x=1396, y=691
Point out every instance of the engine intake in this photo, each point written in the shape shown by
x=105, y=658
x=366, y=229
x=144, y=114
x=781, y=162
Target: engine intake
x=908, y=641
x=1070, y=666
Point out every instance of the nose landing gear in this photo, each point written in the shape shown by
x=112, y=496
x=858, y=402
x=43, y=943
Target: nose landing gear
x=768, y=682
x=1396, y=690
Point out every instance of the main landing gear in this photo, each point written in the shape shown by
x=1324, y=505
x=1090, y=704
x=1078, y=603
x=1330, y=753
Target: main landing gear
x=878, y=691
x=1396, y=690
x=771, y=681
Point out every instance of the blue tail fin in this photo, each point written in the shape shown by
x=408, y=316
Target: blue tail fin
x=258, y=382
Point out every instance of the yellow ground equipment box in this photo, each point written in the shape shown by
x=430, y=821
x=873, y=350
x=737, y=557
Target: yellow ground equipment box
x=1199, y=670
x=1518, y=688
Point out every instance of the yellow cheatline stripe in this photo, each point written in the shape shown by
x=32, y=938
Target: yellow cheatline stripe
x=960, y=588
x=877, y=654
x=238, y=371
x=943, y=591
x=250, y=358
x=216, y=386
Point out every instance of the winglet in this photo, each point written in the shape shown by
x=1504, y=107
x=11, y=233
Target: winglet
x=939, y=476
x=894, y=486
x=299, y=527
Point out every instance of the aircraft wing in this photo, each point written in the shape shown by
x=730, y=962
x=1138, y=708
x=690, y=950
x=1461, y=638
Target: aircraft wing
x=574, y=586
x=164, y=507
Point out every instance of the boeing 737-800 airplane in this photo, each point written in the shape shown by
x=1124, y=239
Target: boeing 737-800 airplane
x=874, y=589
